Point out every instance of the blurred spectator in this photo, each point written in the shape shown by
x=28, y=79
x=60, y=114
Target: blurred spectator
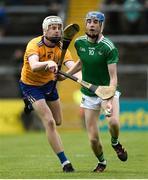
x=132, y=16
x=146, y=16
x=3, y=18
x=17, y=61
x=113, y=17
x=54, y=7
x=14, y=2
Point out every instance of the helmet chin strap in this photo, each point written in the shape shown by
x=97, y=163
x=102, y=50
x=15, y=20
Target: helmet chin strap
x=94, y=36
x=53, y=39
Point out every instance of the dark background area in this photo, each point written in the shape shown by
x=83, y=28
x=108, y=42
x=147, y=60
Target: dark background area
x=20, y=20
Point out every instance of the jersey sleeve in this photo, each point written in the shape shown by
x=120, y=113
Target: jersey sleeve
x=76, y=44
x=32, y=48
x=68, y=56
x=113, y=56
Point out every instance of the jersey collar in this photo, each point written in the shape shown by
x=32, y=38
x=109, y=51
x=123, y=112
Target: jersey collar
x=100, y=39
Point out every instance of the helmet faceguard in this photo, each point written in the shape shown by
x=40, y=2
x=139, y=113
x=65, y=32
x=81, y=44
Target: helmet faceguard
x=98, y=16
x=50, y=20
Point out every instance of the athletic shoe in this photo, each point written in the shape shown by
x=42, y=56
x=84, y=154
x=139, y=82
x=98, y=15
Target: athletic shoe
x=121, y=152
x=100, y=168
x=68, y=168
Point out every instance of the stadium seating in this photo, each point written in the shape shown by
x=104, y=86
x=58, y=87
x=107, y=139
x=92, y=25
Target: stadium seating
x=25, y=22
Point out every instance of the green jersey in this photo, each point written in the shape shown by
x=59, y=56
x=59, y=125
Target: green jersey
x=95, y=58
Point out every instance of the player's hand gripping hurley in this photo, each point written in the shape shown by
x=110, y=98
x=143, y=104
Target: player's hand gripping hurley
x=104, y=92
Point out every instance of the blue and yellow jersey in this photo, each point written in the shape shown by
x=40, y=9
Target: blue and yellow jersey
x=45, y=53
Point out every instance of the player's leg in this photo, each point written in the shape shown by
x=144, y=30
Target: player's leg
x=54, y=139
x=36, y=96
x=114, y=127
x=45, y=115
x=91, y=106
x=54, y=105
x=53, y=101
x=91, y=119
x=55, y=108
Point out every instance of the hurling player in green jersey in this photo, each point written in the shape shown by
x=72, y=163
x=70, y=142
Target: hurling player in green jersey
x=98, y=63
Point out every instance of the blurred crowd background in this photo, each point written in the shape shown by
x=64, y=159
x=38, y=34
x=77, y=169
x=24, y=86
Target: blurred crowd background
x=126, y=24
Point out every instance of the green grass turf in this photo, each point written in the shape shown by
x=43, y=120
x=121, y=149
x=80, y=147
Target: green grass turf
x=29, y=156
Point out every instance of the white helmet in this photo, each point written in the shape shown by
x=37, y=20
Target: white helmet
x=49, y=20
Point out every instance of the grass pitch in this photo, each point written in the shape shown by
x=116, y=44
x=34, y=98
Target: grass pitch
x=30, y=156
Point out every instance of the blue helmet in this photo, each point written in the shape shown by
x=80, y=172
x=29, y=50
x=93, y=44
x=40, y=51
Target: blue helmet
x=96, y=15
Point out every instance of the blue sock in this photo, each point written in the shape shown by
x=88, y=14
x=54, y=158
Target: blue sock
x=62, y=157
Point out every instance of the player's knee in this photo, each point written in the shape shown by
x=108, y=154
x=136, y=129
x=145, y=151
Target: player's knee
x=114, y=122
x=94, y=141
x=51, y=124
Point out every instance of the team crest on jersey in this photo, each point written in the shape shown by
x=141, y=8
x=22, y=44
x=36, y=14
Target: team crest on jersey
x=100, y=53
x=82, y=49
x=49, y=54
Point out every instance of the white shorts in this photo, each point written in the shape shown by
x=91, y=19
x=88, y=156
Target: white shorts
x=94, y=102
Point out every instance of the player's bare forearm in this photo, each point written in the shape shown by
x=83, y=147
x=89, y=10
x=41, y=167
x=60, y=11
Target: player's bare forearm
x=76, y=68
x=35, y=64
x=41, y=66
x=112, y=68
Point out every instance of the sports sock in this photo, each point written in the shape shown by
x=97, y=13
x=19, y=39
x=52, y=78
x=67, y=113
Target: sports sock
x=64, y=163
x=62, y=157
x=101, y=158
x=103, y=162
x=114, y=141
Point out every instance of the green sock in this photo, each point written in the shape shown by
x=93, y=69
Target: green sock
x=114, y=141
x=101, y=157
